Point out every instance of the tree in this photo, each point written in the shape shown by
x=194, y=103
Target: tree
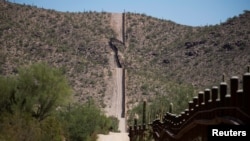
x=28, y=99
x=41, y=89
x=37, y=90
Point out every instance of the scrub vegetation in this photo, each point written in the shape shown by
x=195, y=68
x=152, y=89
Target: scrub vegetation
x=36, y=105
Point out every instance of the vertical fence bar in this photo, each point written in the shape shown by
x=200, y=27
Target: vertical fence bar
x=207, y=99
x=183, y=116
x=234, y=82
x=131, y=135
x=227, y=101
x=214, y=98
x=144, y=116
x=168, y=119
x=246, y=90
x=239, y=98
x=223, y=92
x=195, y=101
x=207, y=96
x=176, y=122
x=186, y=114
x=200, y=100
x=135, y=126
x=165, y=119
x=171, y=118
x=191, y=108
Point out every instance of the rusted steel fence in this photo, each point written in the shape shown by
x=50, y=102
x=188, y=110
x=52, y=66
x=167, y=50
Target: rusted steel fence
x=220, y=105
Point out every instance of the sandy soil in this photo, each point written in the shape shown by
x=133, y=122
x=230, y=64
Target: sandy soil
x=114, y=107
x=114, y=137
x=116, y=24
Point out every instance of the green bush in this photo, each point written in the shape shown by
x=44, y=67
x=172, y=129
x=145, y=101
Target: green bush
x=32, y=108
x=40, y=89
x=28, y=102
x=84, y=122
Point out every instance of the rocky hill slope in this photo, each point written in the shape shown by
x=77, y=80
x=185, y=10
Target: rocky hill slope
x=158, y=54
x=75, y=42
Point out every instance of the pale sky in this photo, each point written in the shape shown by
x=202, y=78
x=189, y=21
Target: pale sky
x=186, y=12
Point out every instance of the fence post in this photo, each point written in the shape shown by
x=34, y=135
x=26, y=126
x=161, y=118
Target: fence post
x=144, y=116
x=223, y=92
x=239, y=98
x=200, y=100
x=214, y=98
x=131, y=135
x=207, y=96
x=135, y=126
x=233, y=90
x=246, y=90
x=207, y=101
x=183, y=118
x=186, y=114
x=191, y=108
x=140, y=132
x=195, y=101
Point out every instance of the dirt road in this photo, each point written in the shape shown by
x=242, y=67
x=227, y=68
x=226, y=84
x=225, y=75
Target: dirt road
x=115, y=104
x=114, y=137
x=116, y=24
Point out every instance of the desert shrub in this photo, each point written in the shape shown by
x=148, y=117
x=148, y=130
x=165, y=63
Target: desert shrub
x=159, y=105
x=84, y=122
x=28, y=101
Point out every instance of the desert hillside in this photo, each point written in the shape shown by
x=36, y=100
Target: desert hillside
x=158, y=55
